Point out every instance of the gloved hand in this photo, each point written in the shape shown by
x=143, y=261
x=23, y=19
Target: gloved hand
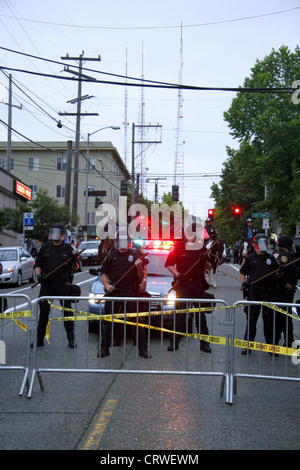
x=282, y=268
x=41, y=278
x=246, y=285
x=180, y=277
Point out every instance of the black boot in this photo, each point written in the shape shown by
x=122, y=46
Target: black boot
x=205, y=347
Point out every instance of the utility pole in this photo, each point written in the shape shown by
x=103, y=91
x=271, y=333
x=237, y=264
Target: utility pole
x=9, y=123
x=78, y=115
x=156, y=127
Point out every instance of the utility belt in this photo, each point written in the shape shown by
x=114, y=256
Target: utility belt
x=64, y=278
x=187, y=280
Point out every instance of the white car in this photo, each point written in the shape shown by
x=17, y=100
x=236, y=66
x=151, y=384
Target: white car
x=90, y=253
x=17, y=265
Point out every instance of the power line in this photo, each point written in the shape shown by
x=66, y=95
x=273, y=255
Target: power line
x=118, y=28
x=160, y=85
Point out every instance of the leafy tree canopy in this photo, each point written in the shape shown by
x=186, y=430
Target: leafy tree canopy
x=46, y=211
x=263, y=174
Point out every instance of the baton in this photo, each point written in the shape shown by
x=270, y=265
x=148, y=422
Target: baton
x=56, y=269
x=196, y=262
x=273, y=272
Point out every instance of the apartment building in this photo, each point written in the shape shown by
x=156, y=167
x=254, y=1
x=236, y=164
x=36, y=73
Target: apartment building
x=52, y=167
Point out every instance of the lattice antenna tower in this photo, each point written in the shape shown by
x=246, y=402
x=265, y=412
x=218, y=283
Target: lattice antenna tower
x=141, y=168
x=126, y=120
x=179, y=153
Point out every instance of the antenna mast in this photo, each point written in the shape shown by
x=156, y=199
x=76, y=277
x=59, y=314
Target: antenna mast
x=142, y=151
x=179, y=157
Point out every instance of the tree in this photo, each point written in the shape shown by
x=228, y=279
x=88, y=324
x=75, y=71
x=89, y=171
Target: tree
x=266, y=124
x=46, y=212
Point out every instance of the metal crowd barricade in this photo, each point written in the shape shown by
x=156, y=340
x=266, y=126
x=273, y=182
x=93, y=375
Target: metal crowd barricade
x=159, y=323
x=15, y=333
x=261, y=360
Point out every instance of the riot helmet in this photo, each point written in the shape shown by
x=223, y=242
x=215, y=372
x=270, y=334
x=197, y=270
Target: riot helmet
x=123, y=240
x=260, y=242
x=57, y=232
x=285, y=241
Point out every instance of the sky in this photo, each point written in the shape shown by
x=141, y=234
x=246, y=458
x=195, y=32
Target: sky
x=196, y=43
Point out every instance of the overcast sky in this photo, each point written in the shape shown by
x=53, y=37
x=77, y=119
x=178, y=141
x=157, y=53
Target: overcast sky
x=195, y=42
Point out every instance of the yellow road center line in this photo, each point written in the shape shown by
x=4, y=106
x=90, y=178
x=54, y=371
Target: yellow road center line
x=99, y=426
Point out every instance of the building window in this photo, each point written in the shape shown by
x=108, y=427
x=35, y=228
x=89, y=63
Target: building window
x=33, y=164
x=91, y=218
x=34, y=188
x=60, y=190
x=92, y=166
x=3, y=163
x=61, y=164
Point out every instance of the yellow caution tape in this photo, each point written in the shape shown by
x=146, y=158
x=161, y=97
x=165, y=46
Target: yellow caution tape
x=209, y=338
x=25, y=313
x=278, y=309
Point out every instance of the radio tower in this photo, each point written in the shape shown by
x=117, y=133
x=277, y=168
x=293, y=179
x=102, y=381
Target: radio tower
x=142, y=137
x=179, y=157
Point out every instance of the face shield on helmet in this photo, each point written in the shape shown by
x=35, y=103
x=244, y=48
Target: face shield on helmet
x=261, y=243
x=195, y=235
x=56, y=233
x=123, y=241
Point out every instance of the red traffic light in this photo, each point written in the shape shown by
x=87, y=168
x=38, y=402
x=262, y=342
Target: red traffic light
x=237, y=213
x=211, y=213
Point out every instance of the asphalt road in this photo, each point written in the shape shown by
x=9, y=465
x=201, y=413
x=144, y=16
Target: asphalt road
x=151, y=412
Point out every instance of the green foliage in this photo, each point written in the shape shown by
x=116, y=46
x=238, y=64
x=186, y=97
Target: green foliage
x=46, y=212
x=266, y=125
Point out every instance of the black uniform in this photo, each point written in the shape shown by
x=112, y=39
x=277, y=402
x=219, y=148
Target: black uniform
x=193, y=286
x=49, y=258
x=284, y=294
x=254, y=267
x=248, y=233
x=212, y=231
x=115, y=266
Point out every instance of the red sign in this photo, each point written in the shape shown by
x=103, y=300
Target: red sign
x=23, y=190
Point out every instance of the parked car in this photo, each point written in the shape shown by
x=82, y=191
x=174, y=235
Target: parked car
x=18, y=265
x=158, y=284
x=90, y=254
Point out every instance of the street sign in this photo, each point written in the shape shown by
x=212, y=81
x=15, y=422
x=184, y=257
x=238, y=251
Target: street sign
x=261, y=215
x=96, y=193
x=266, y=223
x=28, y=220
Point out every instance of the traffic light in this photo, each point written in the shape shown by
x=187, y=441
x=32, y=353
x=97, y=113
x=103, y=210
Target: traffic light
x=98, y=202
x=175, y=193
x=237, y=213
x=124, y=188
x=211, y=213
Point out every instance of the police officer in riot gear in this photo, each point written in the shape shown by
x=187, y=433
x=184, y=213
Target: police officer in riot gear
x=255, y=266
x=191, y=285
x=122, y=273
x=287, y=282
x=51, y=255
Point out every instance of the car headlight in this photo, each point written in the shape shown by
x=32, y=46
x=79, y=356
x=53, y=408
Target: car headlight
x=171, y=299
x=8, y=270
x=95, y=298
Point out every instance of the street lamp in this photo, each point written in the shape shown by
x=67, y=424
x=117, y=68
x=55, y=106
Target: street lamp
x=115, y=128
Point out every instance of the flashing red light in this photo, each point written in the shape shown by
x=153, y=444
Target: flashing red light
x=237, y=213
